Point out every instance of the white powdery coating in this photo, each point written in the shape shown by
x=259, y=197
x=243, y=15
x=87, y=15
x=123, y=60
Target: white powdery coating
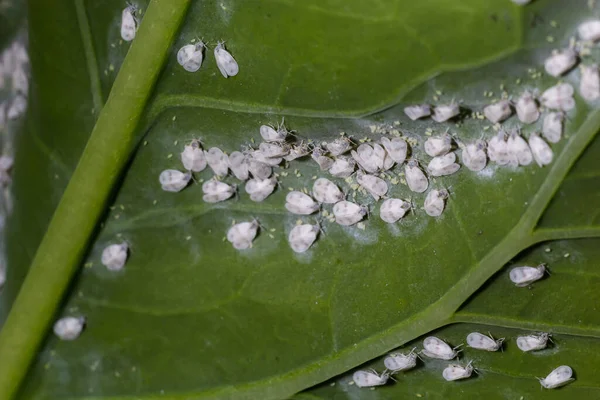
x=589, y=30
x=480, y=341
x=193, y=158
x=560, y=62
x=369, y=379
x=523, y=276
x=435, y=202
x=300, y=203
x=217, y=161
x=589, y=86
x=445, y=112
x=391, y=210
x=532, y=342
x=241, y=235
x=553, y=126
x=557, y=378
x=438, y=145
x=443, y=165
x=128, y=24
x=225, y=61
x=455, y=372
x=325, y=191
x=114, y=256
x=417, y=111
x=415, y=177
x=301, y=237
x=474, y=157
x=260, y=189
x=498, y=112
x=347, y=213
x=190, y=56
x=215, y=191
x=542, y=153
x=437, y=348
x=559, y=97
x=69, y=328
x=527, y=109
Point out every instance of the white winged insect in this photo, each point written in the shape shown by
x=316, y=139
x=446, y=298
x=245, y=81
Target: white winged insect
x=415, y=177
x=473, y=155
x=225, y=61
x=454, y=372
x=370, y=378
x=217, y=160
x=193, y=158
x=524, y=276
x=589, y=30
x=553, y=126
x=274, y=150
x=69, y=328
x=557, y=378
x=297, y=151
x=272, y=161
x=397, y=362
x=325, y=191
x=527, y=108
x=533, y=342
x=438, y=145
x=443, y=165
x=376, y=186
x=542, y=153
x=172, y=180
x=239, y=165
x=417, y=111
x=343, y=167
x=114, y=256
x=339, y=146
x=366, y=158
x=269, y=133
x=560, y=61
x=498, y=149
x=589, y=85
x=392, y=210
x=559, y=97
x=259, y=169
x=498, y=111
x=18, y=106
x=216, y=191
x=241, y=235
x=445, y=112
x=190, y=56
x=301, y=237
x=128, y=23
x=518, y=150
x=435, y=202
x=320, y=158
x=437, y=348
x=480, y=341
x=300, y=203
x=396, y=148
x=347, y=213
x=260, y=189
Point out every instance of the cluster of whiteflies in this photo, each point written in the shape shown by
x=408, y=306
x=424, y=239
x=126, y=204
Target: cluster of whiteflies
x=436, y=348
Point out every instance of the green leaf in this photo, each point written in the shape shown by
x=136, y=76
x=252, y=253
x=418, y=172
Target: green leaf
x=189, y=316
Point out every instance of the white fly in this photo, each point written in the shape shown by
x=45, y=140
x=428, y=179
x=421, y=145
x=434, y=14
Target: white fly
x=437, y=348
x=300, y=203
x=589, y=86
x=527, y=109
x=193, y=158
x=114, y=256
x=417, y=111
x=217, y=161
x=524, y=276
x=553, y=126
x=239, y=165
x=438, y=145
x=259, y=169
x=498, y=112
x=542, y=153
x=347, y=213
x=589, y=30
x=260, y=189
x=445, y=112
x=190, y=56
x=518, y=150
x=443, y=165
x=415, y=177
x=269, y=133
x=128, y=24
x=339, y=146
x=225, y=61
x=272, y=161
x=557, y=378
x=241, y=235
x=216, y=191
x=455, y=372
x=366, y=158
x=18, y=106
x=320, y=158
x=172, y=180
x=536, y=341
x=560, y=62
x=326, y=191
x=480, y=341
x=376, y=187
x=301, y=237
x=397, y=362
x=498, y=149
x=342, y=167
x=559, y=97
x=396, y=148
x=273, y=150
x=435, y=202
x=297, y=151
x=370, y=378
x=392, y=210
x=69, y=328
x=473, y=155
